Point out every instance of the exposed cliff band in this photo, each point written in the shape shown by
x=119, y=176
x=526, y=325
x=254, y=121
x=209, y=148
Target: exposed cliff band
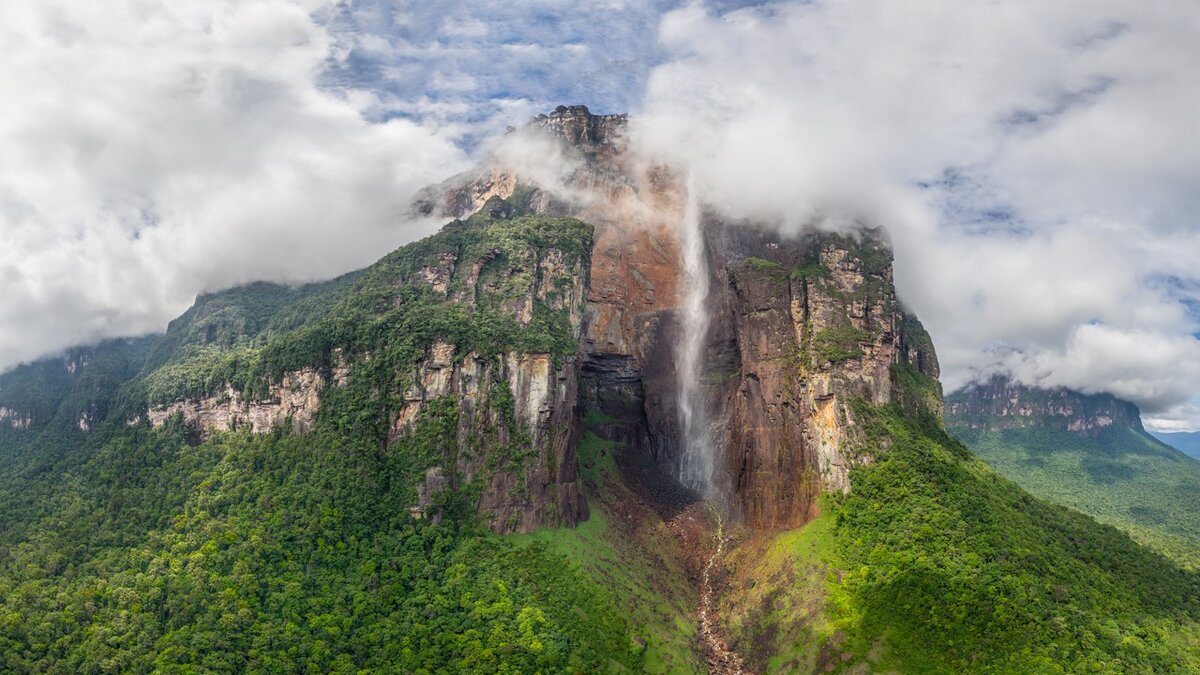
x=722, y=354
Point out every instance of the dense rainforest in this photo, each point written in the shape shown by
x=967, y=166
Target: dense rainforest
x=133, y=546
x=1118, y=473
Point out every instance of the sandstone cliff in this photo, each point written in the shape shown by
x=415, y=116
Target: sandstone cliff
x=801, y=327
x=515, y=413
x=291, y=403
x=459, y=351
x=1001, y=403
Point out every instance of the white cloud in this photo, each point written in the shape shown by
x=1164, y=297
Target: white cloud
x=1036, y=164
x=158, y=148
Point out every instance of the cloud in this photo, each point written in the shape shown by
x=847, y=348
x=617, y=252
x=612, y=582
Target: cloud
x=1035, y=164
x=472, y=67
x=155, y=149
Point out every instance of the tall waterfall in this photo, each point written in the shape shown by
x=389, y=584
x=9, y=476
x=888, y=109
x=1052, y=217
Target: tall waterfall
x=697, y=459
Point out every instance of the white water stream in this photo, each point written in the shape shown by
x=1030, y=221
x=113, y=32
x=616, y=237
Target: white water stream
x=697, y=460
x=698, y=455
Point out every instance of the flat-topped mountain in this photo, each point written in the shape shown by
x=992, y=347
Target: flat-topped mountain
x=591, y=425
x=1087, y=451
x=1001, y=403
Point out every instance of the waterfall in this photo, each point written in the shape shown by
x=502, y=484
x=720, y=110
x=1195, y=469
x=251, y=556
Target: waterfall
x=697, y=461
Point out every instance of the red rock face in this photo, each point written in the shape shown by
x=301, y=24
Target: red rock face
x=799, y=328
x=802, y=327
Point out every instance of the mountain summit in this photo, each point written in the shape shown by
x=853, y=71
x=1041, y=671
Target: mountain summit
x=591, y=425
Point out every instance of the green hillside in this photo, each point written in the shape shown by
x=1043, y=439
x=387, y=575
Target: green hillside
x=952, y=568
x=1086, y=451
x=131, y=548
x=1122, y=476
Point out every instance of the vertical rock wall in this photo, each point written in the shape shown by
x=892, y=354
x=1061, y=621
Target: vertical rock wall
x=804, y=326
x=800, y=326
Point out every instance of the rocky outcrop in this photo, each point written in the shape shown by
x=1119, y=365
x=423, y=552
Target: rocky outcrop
x=801, y=327
x=14, y=419
x=578, y=127
x=514, y=413
x=515, y=432
x=292, y=403
x=1001, y=403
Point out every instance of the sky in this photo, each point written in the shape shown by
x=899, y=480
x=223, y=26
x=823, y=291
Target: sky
x=1036, y=164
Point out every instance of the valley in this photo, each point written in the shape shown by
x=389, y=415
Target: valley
x=1090, y=453
x=585, y=427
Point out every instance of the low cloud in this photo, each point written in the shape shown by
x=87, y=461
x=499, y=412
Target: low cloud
x=156, y=149
x=1035, y=164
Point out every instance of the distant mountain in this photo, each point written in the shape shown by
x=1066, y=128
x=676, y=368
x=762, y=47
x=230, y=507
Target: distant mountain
x=1187, y=442
x=562, y=436
x=1089, y=452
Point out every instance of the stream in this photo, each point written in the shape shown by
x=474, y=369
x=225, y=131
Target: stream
x=721, y=659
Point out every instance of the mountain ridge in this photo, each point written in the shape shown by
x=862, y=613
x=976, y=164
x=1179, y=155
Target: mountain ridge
x=467, y=457
x=1088, y=452
x=1187, y=442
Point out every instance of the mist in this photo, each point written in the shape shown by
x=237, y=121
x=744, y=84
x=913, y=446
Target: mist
x=1033, y=164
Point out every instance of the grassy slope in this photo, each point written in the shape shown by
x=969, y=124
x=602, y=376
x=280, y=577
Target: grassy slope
x=1122, y=477
x=776, y=613
x=934, y=563
x=637, y=562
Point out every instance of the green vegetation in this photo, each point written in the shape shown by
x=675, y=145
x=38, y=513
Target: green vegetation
x=955, y=568
x=916, y=393
x=811, y=271
x=57, y=391
x=276, y=552
x=763, y=265
x=634, y=559
x=249, y=337
x=130, y=549
x=869, y=247
x=776, y=613
x=1120, y=475
x=839, y=343
x=934, y=563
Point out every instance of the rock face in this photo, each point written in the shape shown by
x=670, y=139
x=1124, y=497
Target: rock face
x=516, y=427
x=292, y=403
x=579, y=128
x=1001, y=403
x=480, y=392
x=13, y=418
x=800, y=327
x=798, y=334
